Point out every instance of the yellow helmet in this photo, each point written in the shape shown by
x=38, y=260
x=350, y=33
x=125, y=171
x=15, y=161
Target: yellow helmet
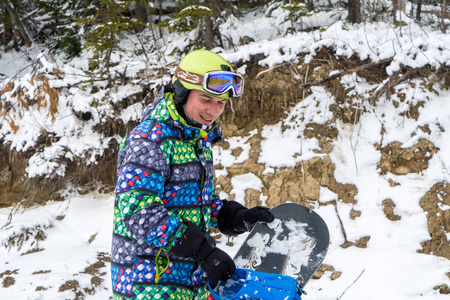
x=208, y=72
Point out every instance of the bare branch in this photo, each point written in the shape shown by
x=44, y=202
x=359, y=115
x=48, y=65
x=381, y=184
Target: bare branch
x=395, y=79
x=345, y=72
x=340, y=296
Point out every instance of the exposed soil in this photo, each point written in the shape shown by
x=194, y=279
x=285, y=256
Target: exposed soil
x=436, y=202
x=97, y=277
x=299, y=184
x=95, y=271
x=72, y=285
x=389, y=207
x=402, y=161
x=326, y=269
x=7, y=279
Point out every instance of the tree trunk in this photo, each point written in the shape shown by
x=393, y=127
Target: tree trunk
x=16, y=21
x=444, y=16
x=354, y=11
x=160, y=10
x=140, y=12
x=209, y=35
x=161, y=57
x=8, y=34
x=419, y=10
x=395, y=8
x=310, y=5
x=397, y=5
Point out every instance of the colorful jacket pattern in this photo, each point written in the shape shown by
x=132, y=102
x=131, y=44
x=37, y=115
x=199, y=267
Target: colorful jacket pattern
x=164, y=177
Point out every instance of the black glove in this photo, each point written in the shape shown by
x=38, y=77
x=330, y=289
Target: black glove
x=218, y=267
x=216, y=263
x=245, y=219
x=235, y=219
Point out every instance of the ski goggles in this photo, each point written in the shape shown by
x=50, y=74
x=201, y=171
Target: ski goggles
x=214, y=82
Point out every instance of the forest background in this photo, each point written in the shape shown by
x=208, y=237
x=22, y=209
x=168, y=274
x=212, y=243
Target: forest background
x=74, y=76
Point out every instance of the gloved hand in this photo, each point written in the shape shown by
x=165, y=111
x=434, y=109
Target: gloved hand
x=234, y=218
x=216, y=263
x=245, y=219
x=218, y=266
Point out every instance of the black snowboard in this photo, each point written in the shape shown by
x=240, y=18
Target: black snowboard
x=294, y=244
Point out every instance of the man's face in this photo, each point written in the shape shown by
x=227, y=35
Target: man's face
x=204, y=108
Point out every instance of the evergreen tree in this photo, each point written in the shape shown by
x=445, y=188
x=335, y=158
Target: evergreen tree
x=294, y=12
x=103, y=32
x=13, y=16
x=199, y=21
x=58, y=29
x=192, y=18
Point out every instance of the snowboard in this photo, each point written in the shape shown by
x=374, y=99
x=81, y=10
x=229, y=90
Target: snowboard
x=294, y=244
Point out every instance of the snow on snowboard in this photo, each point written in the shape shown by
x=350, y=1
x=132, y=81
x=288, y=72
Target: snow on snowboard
x=292, y=246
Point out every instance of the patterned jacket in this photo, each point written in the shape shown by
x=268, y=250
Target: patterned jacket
x=164, y=177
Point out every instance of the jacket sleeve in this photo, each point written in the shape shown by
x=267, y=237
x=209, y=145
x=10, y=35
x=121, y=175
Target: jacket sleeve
x=216, y=206
x=142, y=170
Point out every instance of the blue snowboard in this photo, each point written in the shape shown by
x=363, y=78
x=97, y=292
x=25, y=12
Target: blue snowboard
x=294, y=244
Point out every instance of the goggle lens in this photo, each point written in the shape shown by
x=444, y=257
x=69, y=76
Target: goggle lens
x=220, y=82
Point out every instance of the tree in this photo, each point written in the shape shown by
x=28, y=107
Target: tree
x=354, y=11
x=197, y=19
x=397, y=6
x=13, y=21
x=293, y=12
x=418, y=10
x=58, y=29
x=140, y=12
x=103, y=34
x=444, y=16
x=310, y=5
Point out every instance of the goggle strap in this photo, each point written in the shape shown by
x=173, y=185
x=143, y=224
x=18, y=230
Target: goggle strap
x=189, y=77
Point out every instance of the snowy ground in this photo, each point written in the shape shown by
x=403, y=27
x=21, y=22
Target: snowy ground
x=78, y=230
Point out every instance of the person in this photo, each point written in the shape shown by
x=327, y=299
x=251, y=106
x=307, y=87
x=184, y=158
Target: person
x=165, y=203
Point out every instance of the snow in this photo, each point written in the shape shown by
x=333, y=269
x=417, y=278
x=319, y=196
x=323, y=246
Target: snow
x=243, y=182
x=71, y=246
x=389, y=268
